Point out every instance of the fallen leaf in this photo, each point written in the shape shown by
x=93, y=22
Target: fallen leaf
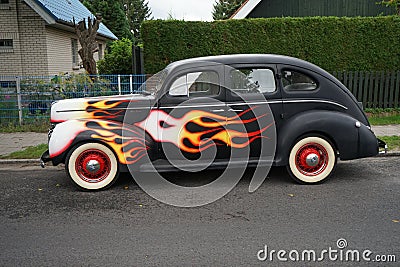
x=140, y=205
x=290, y=195
x=40, y=189
x=126, y=187
x=58, y=185
x=395, y=221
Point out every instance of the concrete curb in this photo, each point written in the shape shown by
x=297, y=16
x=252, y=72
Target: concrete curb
x=20, y=161
x=389, y=154
x=36, y=162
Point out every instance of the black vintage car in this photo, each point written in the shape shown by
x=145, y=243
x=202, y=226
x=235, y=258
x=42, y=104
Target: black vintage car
x=234, y=109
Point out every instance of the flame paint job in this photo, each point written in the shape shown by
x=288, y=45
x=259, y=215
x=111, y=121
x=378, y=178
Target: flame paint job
x=192, y=132
x=127, y=143
x=214, y=130
x=112, y=108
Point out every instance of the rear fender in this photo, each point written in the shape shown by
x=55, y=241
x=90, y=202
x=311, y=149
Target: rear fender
x=339, y=128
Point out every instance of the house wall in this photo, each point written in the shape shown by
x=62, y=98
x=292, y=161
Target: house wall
x=33, y=45
x=10, y=59
x=303, y=8
x=59, y=51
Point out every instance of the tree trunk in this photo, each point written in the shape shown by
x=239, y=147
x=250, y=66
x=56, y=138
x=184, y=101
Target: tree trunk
x=87, y=39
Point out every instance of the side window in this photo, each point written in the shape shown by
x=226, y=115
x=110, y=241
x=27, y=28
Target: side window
x=205, y=83
x=296, y=81
x=249, y=80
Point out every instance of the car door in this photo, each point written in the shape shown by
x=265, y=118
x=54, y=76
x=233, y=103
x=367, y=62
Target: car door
x=191, y=116
x=253, y=97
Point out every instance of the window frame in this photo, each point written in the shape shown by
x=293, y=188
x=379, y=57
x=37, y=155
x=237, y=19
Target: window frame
x=74, y=52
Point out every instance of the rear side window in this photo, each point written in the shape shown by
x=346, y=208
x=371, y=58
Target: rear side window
x=196, y=84
x=253, y=80
x=294, y=81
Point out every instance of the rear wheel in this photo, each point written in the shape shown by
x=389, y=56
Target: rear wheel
x=92, y=166
x=311, y=160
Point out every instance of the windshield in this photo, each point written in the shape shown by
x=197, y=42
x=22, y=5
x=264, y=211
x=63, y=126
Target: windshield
x=155, y=82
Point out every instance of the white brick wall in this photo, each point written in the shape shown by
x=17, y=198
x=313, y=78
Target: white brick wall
x=33, y=42
x=10, y=61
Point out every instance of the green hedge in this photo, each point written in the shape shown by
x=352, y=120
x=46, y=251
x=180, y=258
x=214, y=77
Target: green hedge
x=335, y=44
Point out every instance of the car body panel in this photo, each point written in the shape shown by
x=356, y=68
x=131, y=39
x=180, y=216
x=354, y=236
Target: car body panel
x=185, y=126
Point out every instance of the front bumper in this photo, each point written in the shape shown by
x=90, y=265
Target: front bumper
x=382, y=145
x=44, y=158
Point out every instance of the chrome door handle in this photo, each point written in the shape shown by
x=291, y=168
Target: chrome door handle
x=218, y=110
x=235, y=110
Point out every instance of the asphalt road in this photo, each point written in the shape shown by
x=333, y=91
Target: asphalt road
x=45, y=221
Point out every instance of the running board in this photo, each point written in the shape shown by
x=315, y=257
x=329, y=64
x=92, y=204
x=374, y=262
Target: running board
x=166, y=166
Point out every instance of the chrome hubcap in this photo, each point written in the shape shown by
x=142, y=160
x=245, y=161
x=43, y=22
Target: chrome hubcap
x=93, y=166
x=312, y=160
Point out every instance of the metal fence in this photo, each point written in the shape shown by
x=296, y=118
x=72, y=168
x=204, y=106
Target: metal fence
x=28, y=99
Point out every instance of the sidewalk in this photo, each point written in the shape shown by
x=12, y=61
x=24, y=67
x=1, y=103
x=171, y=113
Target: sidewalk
x=11, y=142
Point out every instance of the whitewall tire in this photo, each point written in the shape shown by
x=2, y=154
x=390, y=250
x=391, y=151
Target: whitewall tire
x=92, y=166
x=312, y=160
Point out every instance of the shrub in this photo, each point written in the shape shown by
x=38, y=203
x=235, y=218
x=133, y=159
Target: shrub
x=119, y=60
x=336, y=44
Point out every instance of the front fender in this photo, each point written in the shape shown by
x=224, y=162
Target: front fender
x=351, y=141
x=128, y=142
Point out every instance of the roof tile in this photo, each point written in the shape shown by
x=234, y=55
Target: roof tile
x=67, y=10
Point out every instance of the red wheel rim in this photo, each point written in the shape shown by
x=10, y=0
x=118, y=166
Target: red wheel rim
x=305, y=159
x=93, y=166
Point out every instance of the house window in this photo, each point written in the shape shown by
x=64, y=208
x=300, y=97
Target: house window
x=100, y=51
x=4, y=1
x=6, y=44
x=75, y=57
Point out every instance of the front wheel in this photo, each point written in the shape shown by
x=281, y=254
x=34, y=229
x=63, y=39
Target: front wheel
x=311, y=160
x=92, y=166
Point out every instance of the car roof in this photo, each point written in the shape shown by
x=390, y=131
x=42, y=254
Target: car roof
x=246, y=59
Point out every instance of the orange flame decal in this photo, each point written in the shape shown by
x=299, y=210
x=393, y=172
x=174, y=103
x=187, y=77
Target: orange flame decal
x=165, y=128
x=129, y=148
x=106, y=109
